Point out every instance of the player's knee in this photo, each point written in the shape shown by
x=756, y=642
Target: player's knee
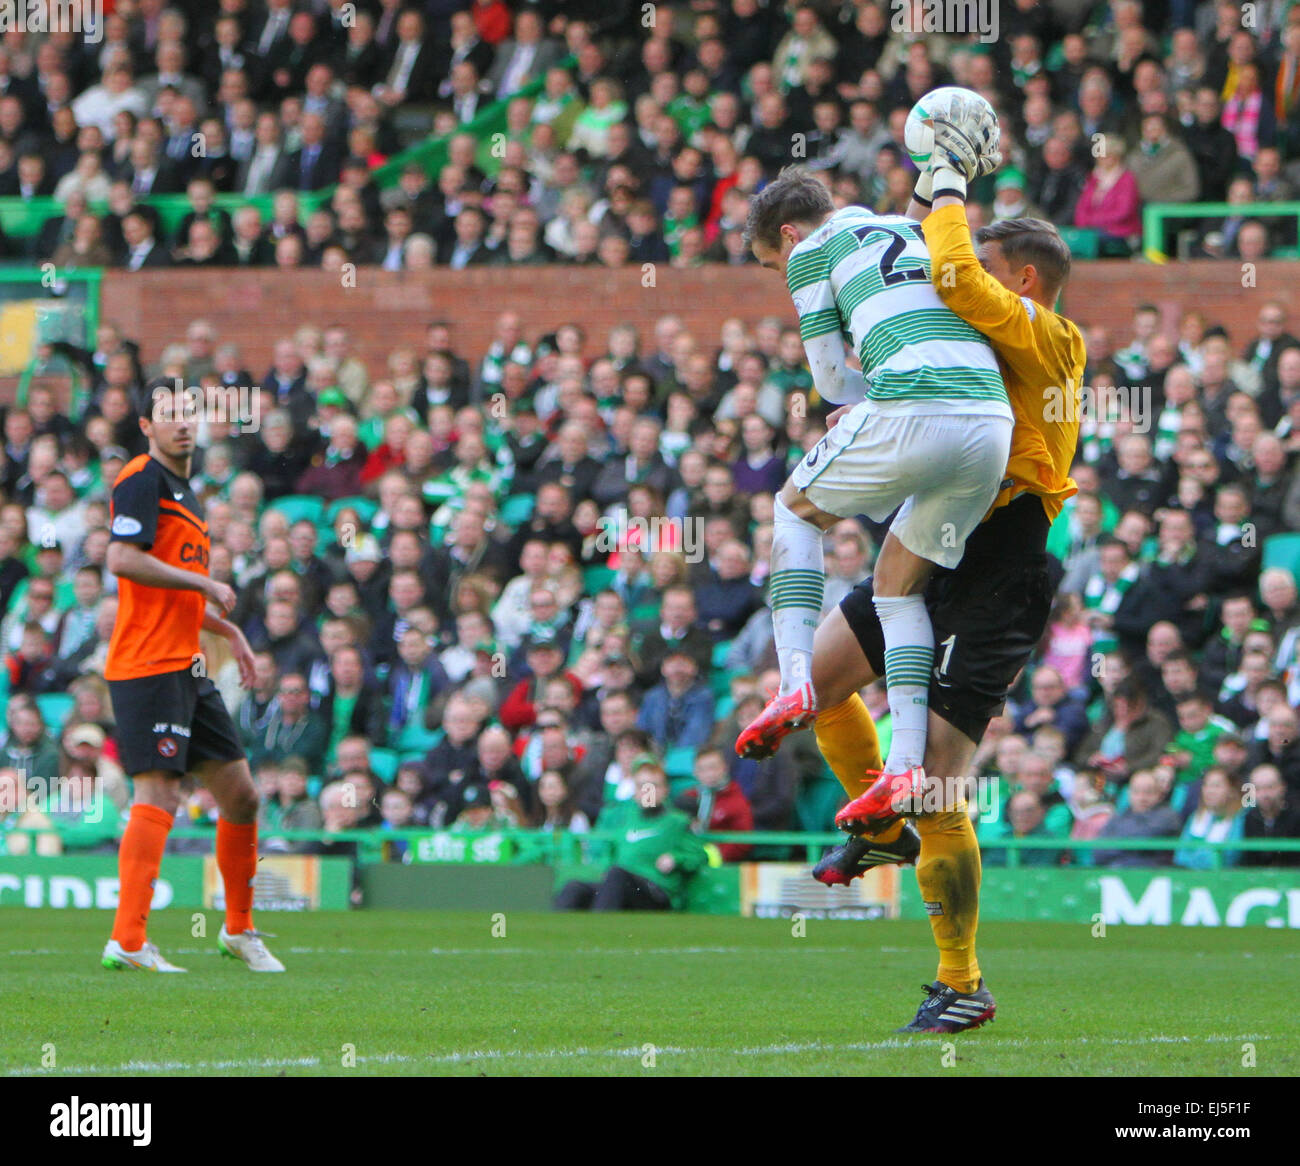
x=794, y=505
x=835, y=684
x=158, y=791
x=241, y=805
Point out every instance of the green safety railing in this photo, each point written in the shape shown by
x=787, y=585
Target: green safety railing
x=50, y=289
x=23, y=218
x=431, y=154
x=1155, y=214
x=563, y=846
x=33, y=273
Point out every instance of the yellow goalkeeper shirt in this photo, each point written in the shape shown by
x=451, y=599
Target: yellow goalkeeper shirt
x=1041, y=355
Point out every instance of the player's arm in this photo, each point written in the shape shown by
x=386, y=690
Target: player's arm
x=963, y=284
x=922, y=196
x=820, y=327
x=243, y=652
x=132, y=533
x=834, y=380
x=129, y=561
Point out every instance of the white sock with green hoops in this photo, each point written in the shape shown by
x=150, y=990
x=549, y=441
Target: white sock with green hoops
x=795, y=591
x=909, y=656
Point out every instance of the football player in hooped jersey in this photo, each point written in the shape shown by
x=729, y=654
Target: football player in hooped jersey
x=928, y=435
x=170, y=718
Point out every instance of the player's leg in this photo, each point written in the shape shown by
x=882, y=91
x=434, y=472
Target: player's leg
x=620, y=890
x=232, y=788
x=576, y=895
x=847, y=738
x=948, y=875
x=900, y=576
x=796, y=588
x=152, y=713
x=949, y=868
x=847, y=472
x=139, y=859
x=991, y=613
x=219, y=763
x=953, y=466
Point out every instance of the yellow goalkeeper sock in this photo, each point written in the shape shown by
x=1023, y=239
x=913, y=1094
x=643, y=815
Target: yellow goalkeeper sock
x=948, y=873
x=846, y=735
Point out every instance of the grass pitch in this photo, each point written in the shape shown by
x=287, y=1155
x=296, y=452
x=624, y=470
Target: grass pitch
x=406, y=993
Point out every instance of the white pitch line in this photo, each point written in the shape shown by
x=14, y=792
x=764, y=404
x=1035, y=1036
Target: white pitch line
x=511, y=1055
x=796, y=948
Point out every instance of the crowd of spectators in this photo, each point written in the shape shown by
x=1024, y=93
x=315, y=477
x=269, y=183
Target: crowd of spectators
x=651, y=128
x=1163, y=704
x=524, y=575
x=469, y=616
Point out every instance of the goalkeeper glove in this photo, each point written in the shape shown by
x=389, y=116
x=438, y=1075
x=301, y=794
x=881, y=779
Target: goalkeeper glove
x=924, y=189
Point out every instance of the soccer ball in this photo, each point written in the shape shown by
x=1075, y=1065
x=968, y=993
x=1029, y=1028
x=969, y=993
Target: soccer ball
x=918, y=130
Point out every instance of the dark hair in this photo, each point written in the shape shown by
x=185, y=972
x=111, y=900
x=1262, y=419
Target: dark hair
x=1131, y=690
x=638, y=737
x=794, y=196
x=1031, y=241
x=147, y=397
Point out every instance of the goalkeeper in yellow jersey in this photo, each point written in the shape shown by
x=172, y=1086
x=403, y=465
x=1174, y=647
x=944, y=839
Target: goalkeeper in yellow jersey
x=990, y=612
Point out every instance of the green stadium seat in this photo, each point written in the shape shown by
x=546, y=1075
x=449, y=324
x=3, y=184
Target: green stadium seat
x=817, y=802
x=1084, y=242
x=679, y=761
x=415, y=738
x=720, y=683
x=367, y=508
x=597, y=579
x=1283, y=550
x=680, y=785
x=296, y=507
x=645, y=613
x=517, y=509
x=55, y=707
x=384, y=762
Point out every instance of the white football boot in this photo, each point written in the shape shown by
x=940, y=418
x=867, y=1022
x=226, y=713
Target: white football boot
x=147, y=959
x=248, y=946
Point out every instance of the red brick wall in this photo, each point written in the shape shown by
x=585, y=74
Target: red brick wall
x=387, y=309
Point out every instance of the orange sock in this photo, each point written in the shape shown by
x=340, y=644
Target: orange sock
x=948, y=873
x=237, y=861
x=139, y=858
x=846, y=735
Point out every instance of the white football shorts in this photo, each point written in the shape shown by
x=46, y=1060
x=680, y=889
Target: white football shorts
x=943, y=470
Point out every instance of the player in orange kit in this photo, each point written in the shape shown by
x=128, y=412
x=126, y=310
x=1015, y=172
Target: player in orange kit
x=170, y=718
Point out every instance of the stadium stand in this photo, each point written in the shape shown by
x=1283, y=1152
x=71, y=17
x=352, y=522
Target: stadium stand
x=493, y=580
